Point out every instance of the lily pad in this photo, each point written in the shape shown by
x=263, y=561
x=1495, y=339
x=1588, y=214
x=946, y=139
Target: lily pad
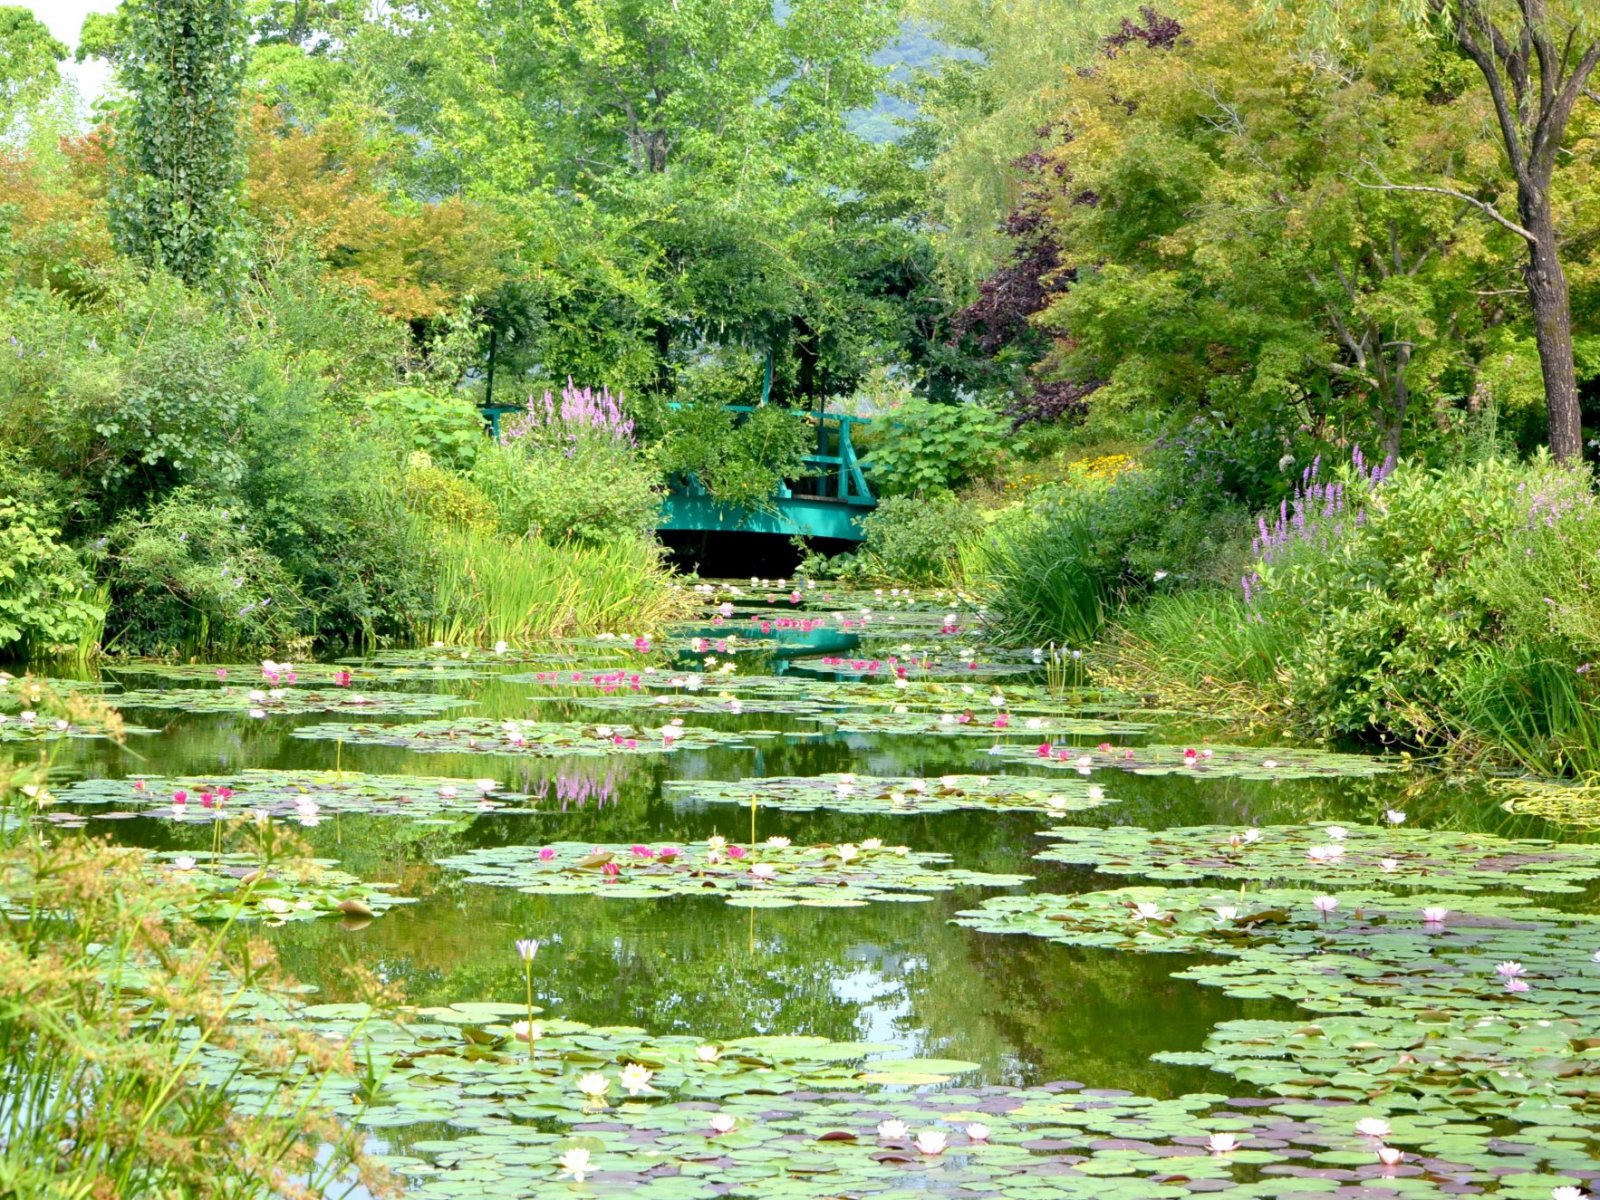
x=1333, y=855
x=538, y=738
x=1202, y=761
x=764, y=876
x=901, y=795
x=291, y=701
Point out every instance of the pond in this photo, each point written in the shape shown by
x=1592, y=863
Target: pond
x=632, y=856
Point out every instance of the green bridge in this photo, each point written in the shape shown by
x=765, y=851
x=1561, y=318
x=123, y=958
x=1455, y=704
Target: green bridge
x=826, y=500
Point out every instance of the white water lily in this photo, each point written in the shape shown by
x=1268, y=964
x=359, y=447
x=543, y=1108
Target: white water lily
x=872, y=844
x=708, y=1053
x=1435, y=916
x=1096, y=793
x=526, y=1031
x=932, y=1141
x=1394, y=816
x=1250, y=836
x=1338, y=832
x=1270, y=763
x=1222, y=1143
x=1389, y=864
x=764, y=872
x=1372, y=1127
x=780, y=843
x=1149, y=912
x=846, y=852
x=717, y=843
x=892, y=1130
x=636, y=1078
x=184, y=862
x=276, y=905
x=594, y=1085
x=1389, y=1156
x=978, y=1131
x=1227, y=913
x=722, y=1123
x=575, y=1163
x=1567, y=1193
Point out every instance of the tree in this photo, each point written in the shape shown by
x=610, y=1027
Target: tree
x=28, y=58
x=1536, y=58
x=176, y=181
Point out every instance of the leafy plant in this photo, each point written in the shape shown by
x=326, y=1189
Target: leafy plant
x=191, y=576
x=46, y=596
x=448, y=429
x=927, y=447
x=737, y=458
x=911, y=540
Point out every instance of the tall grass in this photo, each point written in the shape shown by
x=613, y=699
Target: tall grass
x=1046, y=585
x=490, y=588
x=1204, y=650
x=1529, y=707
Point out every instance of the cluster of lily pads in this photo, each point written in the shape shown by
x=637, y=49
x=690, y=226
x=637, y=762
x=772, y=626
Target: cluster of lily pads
x=303, y=796
x=1233, y=762
x=898, y=795
x=539, y=738
x=773, y=874
x=291, y=701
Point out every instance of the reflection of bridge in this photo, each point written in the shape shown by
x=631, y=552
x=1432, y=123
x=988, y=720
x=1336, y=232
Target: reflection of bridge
x=825, y=501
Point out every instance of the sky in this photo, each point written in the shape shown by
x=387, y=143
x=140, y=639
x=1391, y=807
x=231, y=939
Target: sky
x=64, y=18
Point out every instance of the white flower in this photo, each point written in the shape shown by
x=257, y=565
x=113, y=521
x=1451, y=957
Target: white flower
x=1389, y=1156
x=1222, y=1143
x=764, y=872
x=872, y=844
x=1390, y=864
x=1149, y=912
x=1325, y=904
x=276, y=905
x=931, y=1141
x=717, y=843
x=1270, y=763
x=525, y=1032
x=722, y=1123
x=892, y=1130
x=184, y=862
x=1372, y=1127
x=1251, y=835
x=594, y=1085
x=708, y=1053
x=1227, y=913
x=1509, y=970
x=781, y=843
x=1435, y=916
x=978, y=1131
x=846, y=852
x=1566, y=1193
x=1096, y=792
x=575, y=1162
x=636, y=1078
x=256, y=714
x=1394, y=816
x=486, y=785
x=1338, y=832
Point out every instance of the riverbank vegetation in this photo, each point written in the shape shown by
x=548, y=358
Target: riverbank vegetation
x=1197, y=337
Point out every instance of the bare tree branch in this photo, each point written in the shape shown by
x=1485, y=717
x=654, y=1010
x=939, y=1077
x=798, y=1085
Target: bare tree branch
x=1482, y=206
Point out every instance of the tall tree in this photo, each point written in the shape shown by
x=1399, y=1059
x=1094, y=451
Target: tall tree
x=1536, y=58
x=28, y=58
x=178, y=163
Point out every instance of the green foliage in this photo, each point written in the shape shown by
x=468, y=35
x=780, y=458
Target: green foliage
x=28, y=58
x=738, y=458
x=602, y=492
x=45, y=597
x=175, y=192
x=926, y=447
x=488, y=588
x=191, y=576
x=912, y=540
x=448, y=429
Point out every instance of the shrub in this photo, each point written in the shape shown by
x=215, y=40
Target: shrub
x=571, y=473
x=190, y=576
x=927, y=447
x=46, y=599
x=448, y=429
x=736, y=458
x=917, y=541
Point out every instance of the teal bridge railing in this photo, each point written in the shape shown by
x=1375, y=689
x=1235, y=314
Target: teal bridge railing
x=826, y=500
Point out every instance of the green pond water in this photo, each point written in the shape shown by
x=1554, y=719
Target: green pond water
x=1025, y=1010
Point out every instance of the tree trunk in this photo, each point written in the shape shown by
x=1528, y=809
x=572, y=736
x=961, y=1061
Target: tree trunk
x=1552, y=330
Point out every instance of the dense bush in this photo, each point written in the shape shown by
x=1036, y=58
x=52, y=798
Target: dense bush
x=46, y=598
x=737, y=458
x=924, y=447
x=448, y=429
x=1431, y=606
x=191, y=575
x=571, y=472
x=911, y=540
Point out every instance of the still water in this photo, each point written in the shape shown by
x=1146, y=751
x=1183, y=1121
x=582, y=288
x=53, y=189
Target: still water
x=1028, y=1011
